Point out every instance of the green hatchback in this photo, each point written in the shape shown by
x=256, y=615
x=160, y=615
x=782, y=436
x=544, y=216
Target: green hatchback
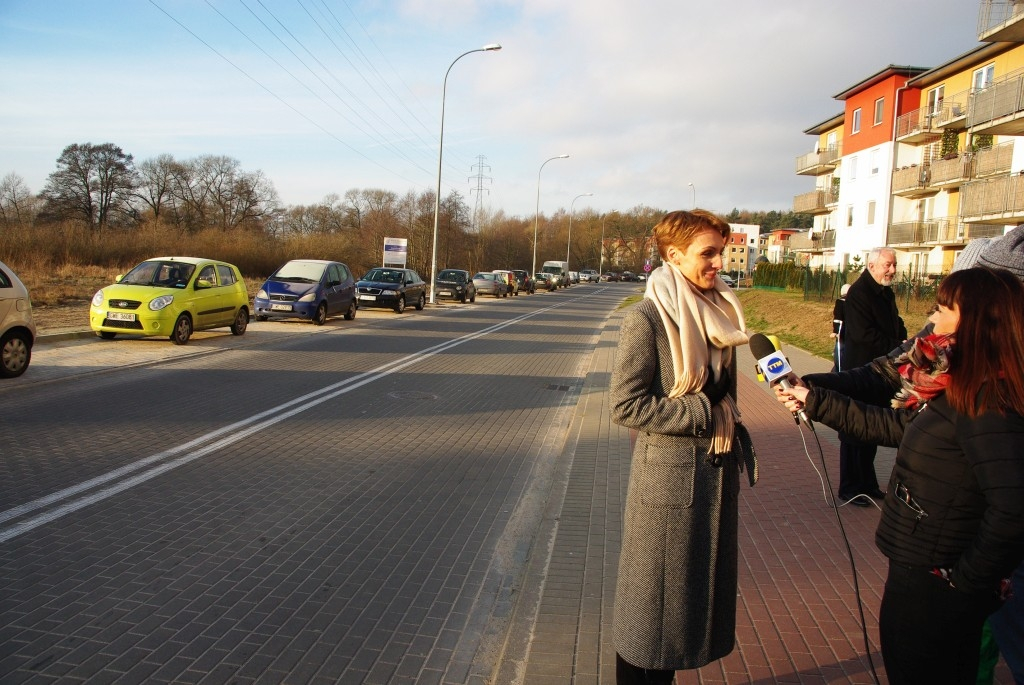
x=172, y=296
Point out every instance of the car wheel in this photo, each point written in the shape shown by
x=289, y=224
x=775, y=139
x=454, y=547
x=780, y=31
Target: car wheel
x=107, y=335
x=351, y=313
x=182, y=330
x=320, y=318
x=15, y=354
x=241, y=322
x=472, y=298
x=262, y=318
x=462, y=298
x=400, y=307
x=421, y=302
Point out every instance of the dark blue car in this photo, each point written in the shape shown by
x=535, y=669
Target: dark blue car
x=310, y=289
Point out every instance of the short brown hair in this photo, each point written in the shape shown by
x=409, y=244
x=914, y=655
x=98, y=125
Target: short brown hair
x=680, y=227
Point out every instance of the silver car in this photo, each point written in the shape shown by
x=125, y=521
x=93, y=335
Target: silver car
x=490, y=284
x=17, y=328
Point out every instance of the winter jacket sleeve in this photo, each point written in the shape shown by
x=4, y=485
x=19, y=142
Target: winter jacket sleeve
x=636, y=371
x=864, y=422
x=875, y=383
x=991, y=443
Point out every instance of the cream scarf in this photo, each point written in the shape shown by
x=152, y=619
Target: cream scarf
x=702, y=329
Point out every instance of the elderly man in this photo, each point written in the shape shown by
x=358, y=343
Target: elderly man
x=873, y=327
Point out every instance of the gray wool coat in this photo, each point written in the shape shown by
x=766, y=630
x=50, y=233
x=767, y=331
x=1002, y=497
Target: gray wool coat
x=675, y=600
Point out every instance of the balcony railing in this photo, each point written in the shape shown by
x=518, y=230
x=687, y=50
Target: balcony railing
x=999, y=108
x=817, y=163
x=912, y=181
x=810, y=203
x=998, y=200
x=918, y=126
x=1001, y=20
x=946, y=173
x=993, y=160
x=817, y=242
x=939, y=231
x=953, y=112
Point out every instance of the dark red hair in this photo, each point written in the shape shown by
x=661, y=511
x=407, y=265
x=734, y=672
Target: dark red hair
x=986, y=372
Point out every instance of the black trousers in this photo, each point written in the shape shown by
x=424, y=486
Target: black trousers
x=856, y=469
x=930, y=632
x=628, y=674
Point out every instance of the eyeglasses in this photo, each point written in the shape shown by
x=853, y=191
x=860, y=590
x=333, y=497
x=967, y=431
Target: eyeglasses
x=904, y=496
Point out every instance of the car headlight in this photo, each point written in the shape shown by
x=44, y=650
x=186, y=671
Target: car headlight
x=308, y=297
x=97, y=299
x=160, y=302
x=262, y=294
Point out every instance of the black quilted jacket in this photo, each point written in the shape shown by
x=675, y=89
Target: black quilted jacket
x=956, y=495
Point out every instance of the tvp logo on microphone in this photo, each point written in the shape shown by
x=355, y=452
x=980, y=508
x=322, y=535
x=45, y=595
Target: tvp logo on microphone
x=774, y=366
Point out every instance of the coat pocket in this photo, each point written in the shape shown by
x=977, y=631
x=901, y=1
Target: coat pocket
x=667, y=477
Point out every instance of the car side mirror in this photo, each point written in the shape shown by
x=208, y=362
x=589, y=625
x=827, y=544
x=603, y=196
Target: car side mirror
x=203, y=283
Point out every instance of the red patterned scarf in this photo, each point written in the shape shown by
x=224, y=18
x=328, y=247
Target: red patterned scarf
x=924, y=369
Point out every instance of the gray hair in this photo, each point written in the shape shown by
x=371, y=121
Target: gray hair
x=876, y=252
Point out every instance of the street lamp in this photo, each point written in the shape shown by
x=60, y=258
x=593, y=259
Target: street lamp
x=569, y=241
x=694, y=195
x=600, y=267
x=440, y=153
x=536, y=220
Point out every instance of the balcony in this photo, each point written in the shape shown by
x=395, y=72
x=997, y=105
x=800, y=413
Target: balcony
x=950, y=173
x=919, y=126
x=994, y=160
x=813, y=242
x=818, y=163
x=998, y=200
x=912, y=181
x=1001, y=21
x=939, y=231
x=811, y=203
x=998, y=109
x=953, y=112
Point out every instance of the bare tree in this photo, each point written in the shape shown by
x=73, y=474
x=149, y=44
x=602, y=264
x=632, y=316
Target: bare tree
x=92, y=183
x=156, y=181
x=17, y=206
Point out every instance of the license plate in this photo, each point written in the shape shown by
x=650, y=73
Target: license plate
x=121, y=316
x=281, y=307
x=371, y=298
x=445, y=292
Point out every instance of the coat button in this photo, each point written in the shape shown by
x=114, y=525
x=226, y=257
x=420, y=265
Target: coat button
x=700, y=432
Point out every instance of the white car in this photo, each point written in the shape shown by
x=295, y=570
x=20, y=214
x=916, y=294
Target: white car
x=729, y=280
x=590, y=275
x=17, y=328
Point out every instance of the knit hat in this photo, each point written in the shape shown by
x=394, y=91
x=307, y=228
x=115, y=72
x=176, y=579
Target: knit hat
x=845, y=289
x=969, y=256
x=1006, y=253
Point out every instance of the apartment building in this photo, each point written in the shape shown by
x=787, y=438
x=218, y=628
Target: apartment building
x=923, y=160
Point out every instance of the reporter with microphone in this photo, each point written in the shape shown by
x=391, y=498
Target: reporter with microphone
x=952, y=523
x=674, y=383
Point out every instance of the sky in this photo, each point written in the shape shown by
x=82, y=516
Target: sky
x=658, y=103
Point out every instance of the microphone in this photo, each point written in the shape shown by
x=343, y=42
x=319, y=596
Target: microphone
x=773, y=366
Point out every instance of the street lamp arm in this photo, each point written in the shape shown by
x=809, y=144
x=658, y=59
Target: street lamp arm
x=568, y=241
x=536, y=219
x=440, y=154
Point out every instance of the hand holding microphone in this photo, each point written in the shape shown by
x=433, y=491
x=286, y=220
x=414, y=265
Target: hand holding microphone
x=775, y=368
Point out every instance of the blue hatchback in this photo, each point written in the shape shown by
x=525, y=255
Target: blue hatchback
x=311, y=289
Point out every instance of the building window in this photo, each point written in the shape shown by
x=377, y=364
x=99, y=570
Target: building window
x=874, y=162
x=853, y=168
x=879, y=109
x=935, y=96
x=849, y=215
x=983, y=77
x=871, y=213
x=855, y=126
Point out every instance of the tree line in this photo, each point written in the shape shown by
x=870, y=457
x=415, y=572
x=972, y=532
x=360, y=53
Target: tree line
x=99, y=190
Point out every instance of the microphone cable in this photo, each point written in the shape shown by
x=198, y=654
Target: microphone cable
x=827, y=490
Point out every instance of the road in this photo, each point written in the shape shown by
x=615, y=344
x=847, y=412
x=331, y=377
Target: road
x=345, y=504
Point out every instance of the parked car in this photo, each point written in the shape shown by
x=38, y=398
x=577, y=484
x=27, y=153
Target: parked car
x=391, y=288
x=454, y=284
x=490, y=284
x=310, y=289
x=590, y=275
x=172, y=296
x=526, y=284
x=729, y=280
x=629, y=277
x=17, y=327
x=545, y=280
x=510, y=280
x=610, y=277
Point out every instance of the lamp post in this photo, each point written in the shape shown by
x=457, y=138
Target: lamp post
x=536, y=220
x=600, y=267
x=568, y=242
x=694, y=195
x=440, y=154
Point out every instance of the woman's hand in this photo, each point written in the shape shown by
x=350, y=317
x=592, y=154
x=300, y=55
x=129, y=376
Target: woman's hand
x=793, y=397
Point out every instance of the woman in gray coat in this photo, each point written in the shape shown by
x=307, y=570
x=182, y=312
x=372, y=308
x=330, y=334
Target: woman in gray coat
x=674, y=383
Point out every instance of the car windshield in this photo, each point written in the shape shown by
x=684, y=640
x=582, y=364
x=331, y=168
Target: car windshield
x=300, y=272
x=450, y=276
x=384, y=276
x=160, y=274
x=484, y=277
